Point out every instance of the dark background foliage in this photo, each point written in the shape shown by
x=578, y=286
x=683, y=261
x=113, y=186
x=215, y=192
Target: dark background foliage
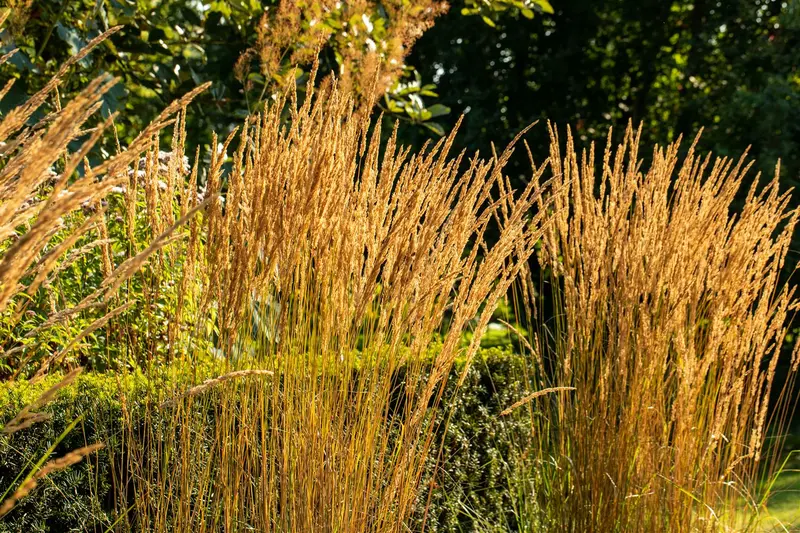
x=730, y=67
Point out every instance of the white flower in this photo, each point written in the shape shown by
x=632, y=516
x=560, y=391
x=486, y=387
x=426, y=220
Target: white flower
x=371, y=45
x=367, y=23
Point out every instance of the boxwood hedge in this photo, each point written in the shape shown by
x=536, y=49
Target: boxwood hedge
x=466, y=484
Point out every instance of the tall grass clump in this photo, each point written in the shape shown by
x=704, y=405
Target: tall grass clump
x=292, y=309
x=300, y=282
x=51, y=217
x=325, y=267
x=668, y=321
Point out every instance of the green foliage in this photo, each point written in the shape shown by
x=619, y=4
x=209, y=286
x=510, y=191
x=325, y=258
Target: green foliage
x=68, y=288
x=467, y=481
x=81, y=497
x=491, y=10
x=167, y=48
x=728, y=67
x=78, y=276
x=407, y=98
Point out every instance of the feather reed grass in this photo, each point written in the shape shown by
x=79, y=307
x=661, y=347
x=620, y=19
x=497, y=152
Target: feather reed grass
x=668, y=321
x=333, y=266
x=327, y=263
x=42, y=221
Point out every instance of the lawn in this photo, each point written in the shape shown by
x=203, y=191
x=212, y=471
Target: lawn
x=784, y=503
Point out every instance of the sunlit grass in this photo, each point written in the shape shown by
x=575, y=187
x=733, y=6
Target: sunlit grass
x=783, y=503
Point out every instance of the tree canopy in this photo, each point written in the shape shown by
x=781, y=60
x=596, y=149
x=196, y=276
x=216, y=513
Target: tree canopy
x=727, y=66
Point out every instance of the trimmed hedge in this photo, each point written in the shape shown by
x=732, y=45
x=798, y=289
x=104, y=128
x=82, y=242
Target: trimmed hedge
x=466, y=485
x=470, y=488
x=78, y=498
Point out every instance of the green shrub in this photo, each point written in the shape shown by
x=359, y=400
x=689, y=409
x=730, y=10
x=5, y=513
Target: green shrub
x=480, y=449
x=468, y=491
x=76, y=499
x=82, y=497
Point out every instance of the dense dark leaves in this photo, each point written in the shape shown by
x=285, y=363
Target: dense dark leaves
x=167, y=48
x=728, y=66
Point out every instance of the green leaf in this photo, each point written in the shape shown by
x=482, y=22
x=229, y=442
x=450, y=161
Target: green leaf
x=127, y=8
x=19, y=59
x=527, y=13
x=393, y=106
x=488, y=21
x=111, y=99
x=193, y=51
x=73, y=40
x=437, y=110
x=413, y=113
x=221, y=7
x=435, y=127
x=411, y=89
x=191, y=16
x=256, y=78
x=545, y=5
x=156, y=34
